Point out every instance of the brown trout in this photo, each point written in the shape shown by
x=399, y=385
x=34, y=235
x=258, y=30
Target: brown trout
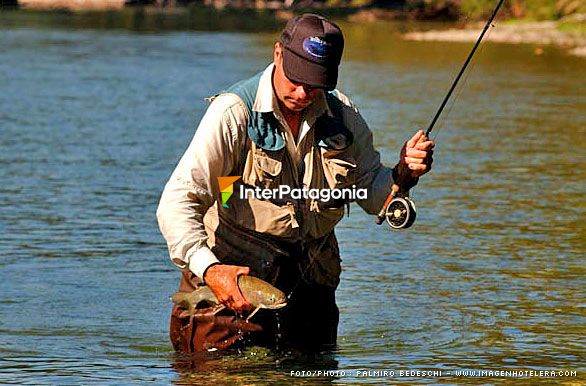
x=257, y=292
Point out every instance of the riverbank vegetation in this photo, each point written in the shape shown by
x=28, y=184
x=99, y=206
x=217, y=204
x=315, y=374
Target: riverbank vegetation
x=557, y=22
x=534, y=10
x=540, y=22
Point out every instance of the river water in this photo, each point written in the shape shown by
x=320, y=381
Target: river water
x=93, y=120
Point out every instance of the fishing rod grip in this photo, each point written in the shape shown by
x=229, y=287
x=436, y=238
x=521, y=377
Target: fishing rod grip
x=395, y=188
x=380, y=217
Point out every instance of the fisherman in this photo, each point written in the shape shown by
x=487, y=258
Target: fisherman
x=286, y=126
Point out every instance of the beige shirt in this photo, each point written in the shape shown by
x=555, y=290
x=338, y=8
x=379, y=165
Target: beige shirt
x=215, y=151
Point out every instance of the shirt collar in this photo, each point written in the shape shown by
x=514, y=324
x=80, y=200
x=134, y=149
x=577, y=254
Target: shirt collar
x=266, y=100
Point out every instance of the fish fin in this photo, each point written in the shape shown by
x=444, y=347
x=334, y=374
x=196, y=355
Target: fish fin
x=254, y=312
x=218, y=308
x=209, y=313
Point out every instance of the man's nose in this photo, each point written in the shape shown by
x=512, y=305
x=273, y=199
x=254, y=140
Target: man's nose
x=301, y=92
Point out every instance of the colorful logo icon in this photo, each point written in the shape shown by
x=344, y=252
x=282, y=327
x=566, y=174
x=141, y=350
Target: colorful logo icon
x=227, y=188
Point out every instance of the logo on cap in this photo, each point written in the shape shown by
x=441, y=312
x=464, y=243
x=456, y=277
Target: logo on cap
x=316, y=47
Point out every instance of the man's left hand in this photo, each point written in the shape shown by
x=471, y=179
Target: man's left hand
x=417, y=156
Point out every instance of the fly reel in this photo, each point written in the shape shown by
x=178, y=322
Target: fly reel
x=400, y=213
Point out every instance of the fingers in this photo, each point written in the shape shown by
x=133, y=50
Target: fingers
x=223, y=280
x=240, y=304
x=420, y=167
x=234, y=305
x=236, y=302
x=414, y=153
x=426, y=145
x=417, y=167
x=413, y=141
x=242, y=271
x=418, y=155
x=414, y=161
x=417, y=161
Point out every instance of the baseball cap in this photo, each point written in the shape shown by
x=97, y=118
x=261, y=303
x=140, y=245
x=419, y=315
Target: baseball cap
x=312, y=50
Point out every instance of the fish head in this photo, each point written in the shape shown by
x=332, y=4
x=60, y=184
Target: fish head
x=274, y=300
x=261, y=294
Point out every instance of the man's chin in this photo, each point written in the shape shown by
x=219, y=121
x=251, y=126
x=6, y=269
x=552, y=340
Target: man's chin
x=297, y=106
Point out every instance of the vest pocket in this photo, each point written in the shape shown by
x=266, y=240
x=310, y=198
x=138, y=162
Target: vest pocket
x=320, y=222
x=339, y=169
x=267, y=167
x=322, y=264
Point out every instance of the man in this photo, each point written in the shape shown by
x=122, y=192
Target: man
x=286, y=126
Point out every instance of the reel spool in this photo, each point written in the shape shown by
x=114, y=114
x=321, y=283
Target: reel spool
x=400, y=213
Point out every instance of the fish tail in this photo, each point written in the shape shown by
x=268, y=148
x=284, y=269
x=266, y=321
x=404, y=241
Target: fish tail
x=179, y=297
x=190, y=300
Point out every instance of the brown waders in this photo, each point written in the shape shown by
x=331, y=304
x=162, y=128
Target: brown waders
x=309, y=322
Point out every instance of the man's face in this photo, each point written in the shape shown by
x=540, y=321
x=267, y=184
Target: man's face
x=293, y=96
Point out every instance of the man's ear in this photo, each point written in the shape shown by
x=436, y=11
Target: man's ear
x=278, y=52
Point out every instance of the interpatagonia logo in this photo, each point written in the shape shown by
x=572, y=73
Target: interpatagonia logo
x=283, y=192
x=227, y=188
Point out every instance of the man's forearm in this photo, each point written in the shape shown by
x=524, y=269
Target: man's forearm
x=180, y=215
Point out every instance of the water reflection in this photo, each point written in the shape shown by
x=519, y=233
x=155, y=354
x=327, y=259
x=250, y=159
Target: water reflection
x=146, y=20
x=244, y=366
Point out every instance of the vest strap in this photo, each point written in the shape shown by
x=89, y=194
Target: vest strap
x=263, y=128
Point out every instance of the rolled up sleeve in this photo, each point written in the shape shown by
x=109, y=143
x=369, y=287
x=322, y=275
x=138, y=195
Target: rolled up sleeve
x=193, y=186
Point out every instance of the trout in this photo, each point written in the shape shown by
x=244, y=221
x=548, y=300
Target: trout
x=257, y=292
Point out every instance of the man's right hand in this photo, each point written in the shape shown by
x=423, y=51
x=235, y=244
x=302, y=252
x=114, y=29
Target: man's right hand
x=223, y=281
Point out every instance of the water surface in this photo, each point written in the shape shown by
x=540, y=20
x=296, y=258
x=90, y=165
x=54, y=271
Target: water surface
x=92, y=122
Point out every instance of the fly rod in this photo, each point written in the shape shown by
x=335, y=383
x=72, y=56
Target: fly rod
x=400, y=211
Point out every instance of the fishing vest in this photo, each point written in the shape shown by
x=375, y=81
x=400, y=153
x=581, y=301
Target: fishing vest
x=265, y=163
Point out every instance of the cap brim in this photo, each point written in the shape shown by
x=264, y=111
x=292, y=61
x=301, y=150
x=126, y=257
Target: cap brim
x=301, y=70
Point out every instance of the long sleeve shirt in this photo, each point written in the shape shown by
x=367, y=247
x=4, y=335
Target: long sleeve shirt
x=216, y=151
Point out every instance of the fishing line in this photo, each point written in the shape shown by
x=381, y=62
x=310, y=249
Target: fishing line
x=398, y=209
x=461, y=86
x=459, y=90
x=466, y=63
x=311, y=261
x=440, y=126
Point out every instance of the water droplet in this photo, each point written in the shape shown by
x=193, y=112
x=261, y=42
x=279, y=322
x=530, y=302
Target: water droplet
x=278, y=335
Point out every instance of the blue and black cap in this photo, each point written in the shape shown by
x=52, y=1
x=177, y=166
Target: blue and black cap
x=312, y=50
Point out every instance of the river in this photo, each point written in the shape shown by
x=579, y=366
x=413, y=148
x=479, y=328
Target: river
x=93, y=121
